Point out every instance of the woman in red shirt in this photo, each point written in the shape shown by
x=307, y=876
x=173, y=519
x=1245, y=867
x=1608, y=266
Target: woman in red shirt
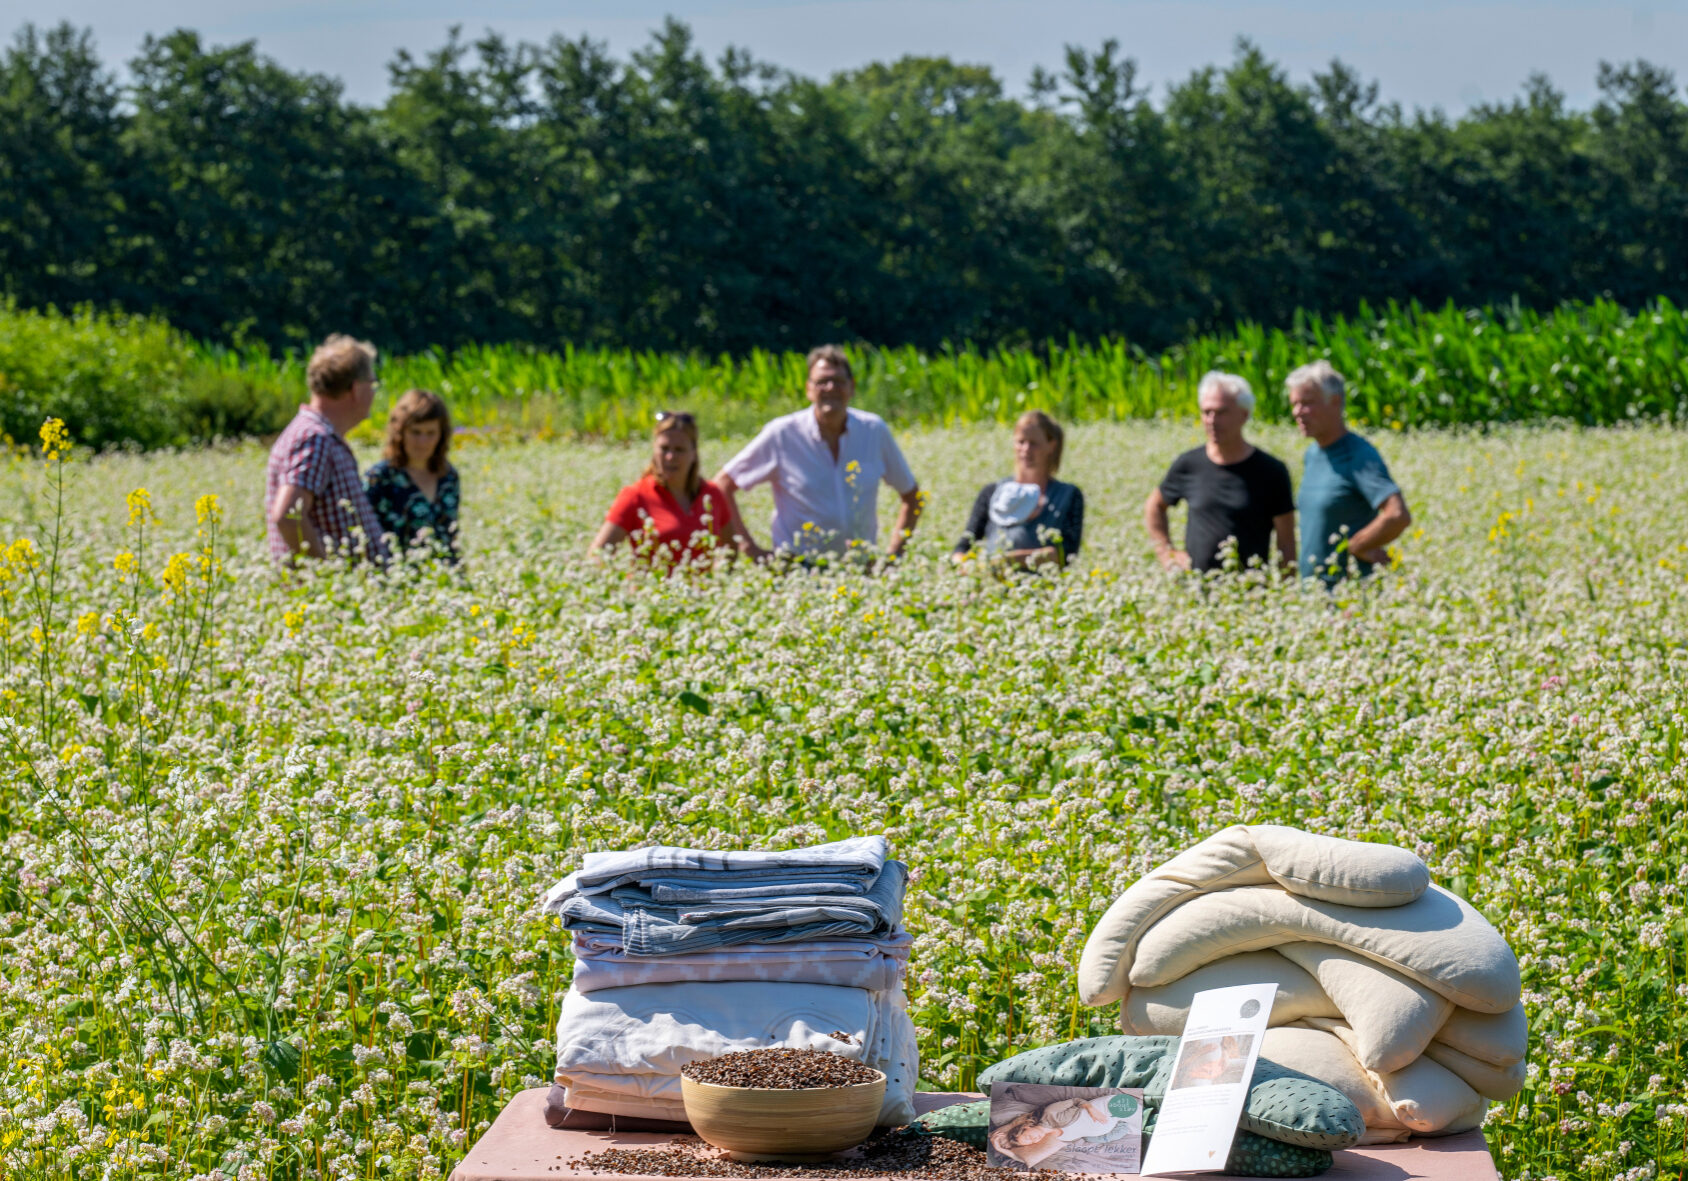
x=671, y=515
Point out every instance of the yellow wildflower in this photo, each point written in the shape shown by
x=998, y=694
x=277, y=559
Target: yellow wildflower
x=88, y=623
x=140, y=508
x=208, y=509
x=55, y=439
x=177, y=571
x=294, y=619
x=21, y=555
x=126, y=564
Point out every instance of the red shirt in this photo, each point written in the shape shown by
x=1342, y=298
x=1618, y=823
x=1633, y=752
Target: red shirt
x=660, y=530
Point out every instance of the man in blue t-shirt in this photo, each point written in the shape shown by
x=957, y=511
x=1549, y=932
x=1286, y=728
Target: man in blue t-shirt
x=1350, y=507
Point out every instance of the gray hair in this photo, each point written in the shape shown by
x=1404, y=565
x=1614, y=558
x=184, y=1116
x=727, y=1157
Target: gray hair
x=1321, y=375
x=1227, y=383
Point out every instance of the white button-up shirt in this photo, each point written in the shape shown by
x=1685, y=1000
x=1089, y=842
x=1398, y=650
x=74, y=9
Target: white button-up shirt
x=822, y=504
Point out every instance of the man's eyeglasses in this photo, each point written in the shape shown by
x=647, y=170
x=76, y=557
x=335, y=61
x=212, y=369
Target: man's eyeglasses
x=677, y=417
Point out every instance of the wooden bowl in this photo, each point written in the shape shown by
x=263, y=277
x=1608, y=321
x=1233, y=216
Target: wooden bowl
x=765, y=1123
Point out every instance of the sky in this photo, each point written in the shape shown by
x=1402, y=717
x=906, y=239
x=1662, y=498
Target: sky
x=1427, y=54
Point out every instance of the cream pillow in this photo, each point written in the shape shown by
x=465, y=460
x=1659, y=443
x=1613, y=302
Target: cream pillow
x=1500, y=1039
x=1427, y=1098
x=1227, y=858
x=1439, y=940
x=1432, y=1100
x=1322, y=1056
x=1351, y=873
x=1393, y=1018
x=1491, y=1082
x=1164, y=1009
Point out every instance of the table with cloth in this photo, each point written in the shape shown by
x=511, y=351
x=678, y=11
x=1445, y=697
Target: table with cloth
x=1397, y=1014
x=521, y=1146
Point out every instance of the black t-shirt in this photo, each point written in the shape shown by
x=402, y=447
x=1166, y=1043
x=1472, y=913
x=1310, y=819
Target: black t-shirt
x=1228, y=500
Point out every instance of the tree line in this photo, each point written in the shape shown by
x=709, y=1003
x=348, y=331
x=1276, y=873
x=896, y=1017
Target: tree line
x=554, y=194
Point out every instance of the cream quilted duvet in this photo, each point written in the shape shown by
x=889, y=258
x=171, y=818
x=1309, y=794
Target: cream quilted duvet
x=1391, y=989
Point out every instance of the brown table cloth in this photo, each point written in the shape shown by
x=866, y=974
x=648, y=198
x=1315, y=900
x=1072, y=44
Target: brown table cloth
x=522, y=1146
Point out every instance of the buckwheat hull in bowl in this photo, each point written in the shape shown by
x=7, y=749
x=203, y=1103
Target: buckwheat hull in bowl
x=813, y=1105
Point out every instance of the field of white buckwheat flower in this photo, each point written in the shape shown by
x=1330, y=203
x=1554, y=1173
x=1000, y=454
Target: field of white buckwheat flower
x=270, y=849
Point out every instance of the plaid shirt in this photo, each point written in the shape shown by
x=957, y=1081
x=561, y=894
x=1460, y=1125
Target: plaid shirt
x=310, y=454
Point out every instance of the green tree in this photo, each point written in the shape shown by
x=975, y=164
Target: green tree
x=59, y=152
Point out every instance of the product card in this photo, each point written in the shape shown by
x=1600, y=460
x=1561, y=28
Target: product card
x=1070, y=1129
x=1210, y=1078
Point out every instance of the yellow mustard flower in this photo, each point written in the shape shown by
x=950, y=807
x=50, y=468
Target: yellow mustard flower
x=22, y=555
x=55, y=439
x=140, y=508
x=177, y=571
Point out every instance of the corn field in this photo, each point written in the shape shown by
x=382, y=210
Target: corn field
x=1591, y=363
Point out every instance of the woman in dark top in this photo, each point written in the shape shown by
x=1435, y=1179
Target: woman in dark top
x=413, y=489
x=1032, y=518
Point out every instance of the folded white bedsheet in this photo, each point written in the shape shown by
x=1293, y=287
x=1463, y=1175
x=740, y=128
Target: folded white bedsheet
x=620, y=1050
x=874, y=964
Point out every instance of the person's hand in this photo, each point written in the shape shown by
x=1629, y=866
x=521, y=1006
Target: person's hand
x=751, y=550
x=1175, y=559
x=1377, y=555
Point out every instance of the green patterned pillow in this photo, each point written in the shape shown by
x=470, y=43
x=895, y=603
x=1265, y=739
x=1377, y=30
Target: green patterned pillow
x=1282, y=1104
x=1251, y=1155
x=1119, y=1061
x=1293, y=1108
x=966, y=1122
x=1256, y=1156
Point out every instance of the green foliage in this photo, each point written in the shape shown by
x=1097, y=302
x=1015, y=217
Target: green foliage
x=514, y=192
x=121, y=380
x=271, y=846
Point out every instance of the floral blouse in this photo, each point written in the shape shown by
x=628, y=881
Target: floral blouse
x=404, y=512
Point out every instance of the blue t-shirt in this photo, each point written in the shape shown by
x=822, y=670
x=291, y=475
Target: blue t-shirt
x=1342, y=487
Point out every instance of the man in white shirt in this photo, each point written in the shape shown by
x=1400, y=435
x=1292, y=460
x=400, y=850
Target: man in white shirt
x=825, y=464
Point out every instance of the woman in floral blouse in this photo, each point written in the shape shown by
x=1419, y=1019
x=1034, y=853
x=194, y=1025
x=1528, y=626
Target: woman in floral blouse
x=413, y=489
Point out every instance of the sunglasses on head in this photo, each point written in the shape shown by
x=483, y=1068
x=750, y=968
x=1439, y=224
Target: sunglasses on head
x=678, y=417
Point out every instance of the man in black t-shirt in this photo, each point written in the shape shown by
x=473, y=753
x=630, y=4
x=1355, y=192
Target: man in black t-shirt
x=1235, y=489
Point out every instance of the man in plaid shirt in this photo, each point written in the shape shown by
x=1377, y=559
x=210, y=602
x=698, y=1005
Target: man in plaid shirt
x=313, y=498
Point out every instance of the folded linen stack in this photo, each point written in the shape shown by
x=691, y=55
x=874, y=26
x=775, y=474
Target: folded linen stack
x=687, y=954
x=1391, y=989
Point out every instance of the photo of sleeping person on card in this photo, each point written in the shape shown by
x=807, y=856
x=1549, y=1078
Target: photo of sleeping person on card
x=1072, y=1129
